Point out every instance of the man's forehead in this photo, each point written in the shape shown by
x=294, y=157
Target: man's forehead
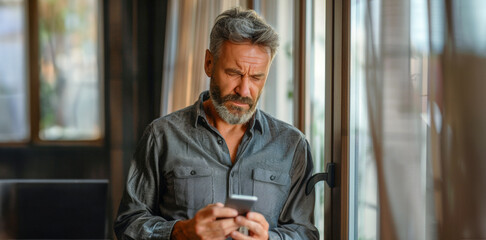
x=232, y=46
x=244, y=55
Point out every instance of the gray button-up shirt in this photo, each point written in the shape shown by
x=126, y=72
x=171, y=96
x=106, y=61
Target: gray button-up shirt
x=182, y=164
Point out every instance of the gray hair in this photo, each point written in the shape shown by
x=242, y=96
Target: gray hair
x=238, y=25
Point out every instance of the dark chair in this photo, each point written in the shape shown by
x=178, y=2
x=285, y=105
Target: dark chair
x=53, y=209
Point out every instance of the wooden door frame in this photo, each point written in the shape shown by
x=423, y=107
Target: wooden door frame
x=338, y=30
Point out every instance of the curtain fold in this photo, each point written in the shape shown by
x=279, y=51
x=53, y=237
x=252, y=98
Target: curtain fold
x=188, y=27
x=427, y=123
x=395, y=121
x=461, y=136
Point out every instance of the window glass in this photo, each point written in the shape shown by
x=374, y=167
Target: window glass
x=388, y=119
x=277, y=96
x=13, y=84
x=70, y=89
x=363, y=192
x=316, y=83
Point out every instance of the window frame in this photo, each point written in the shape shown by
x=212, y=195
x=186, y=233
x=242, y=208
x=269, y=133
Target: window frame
x=340, y=115
x=33, y=83
x=338, y=29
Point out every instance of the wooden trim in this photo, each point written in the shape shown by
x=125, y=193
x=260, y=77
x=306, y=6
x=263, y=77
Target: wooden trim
x=102, y=83
x=300, y=75
x=336, y=121
x=337, y=116
x=94, y=143
x=345, y=90
x=33, y=50
x=19, y=144
x=250, y=4
x=343, y=16
x=328, y=206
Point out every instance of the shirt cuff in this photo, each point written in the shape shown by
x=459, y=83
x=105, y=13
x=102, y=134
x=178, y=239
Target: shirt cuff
x=166, y=229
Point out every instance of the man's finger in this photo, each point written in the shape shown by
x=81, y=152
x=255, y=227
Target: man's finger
x=226, y=225
x=257, y=217
x=213, y=212
x=239, y=236
x=254, y=227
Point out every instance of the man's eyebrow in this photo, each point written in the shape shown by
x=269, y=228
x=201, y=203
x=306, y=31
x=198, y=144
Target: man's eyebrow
x=237, y=71
x=233, y=70
x=258, y=75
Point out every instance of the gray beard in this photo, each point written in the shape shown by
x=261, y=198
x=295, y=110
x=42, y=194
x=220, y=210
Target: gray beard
x=241, y=117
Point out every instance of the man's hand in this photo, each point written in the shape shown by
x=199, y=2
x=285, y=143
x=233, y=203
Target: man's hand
x=257, y=226
x=212, y=222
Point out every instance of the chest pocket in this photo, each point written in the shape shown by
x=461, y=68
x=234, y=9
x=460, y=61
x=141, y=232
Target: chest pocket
x=271, y=188
x=193, y=187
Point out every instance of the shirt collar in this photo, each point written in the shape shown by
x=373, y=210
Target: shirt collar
x=200, y=114
x=255, y=122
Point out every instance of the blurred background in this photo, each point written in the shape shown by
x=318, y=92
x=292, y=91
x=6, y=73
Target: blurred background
x=389, y=90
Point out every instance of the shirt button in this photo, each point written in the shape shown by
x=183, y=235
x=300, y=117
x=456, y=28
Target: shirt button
x=272, y=177
x=220, y=141
x=193, y=172
x=232, y=174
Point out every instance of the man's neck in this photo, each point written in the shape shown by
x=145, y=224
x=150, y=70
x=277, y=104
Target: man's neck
x=232, y=133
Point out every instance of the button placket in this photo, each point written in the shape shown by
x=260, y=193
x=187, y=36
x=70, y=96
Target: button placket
x=233, y=182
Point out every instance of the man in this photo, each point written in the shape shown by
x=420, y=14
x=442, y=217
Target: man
x=188, y=162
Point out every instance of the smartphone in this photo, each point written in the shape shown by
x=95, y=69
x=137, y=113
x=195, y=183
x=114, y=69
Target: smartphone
x=242, y=203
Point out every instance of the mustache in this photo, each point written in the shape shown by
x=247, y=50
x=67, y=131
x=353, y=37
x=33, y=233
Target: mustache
x=236, y=98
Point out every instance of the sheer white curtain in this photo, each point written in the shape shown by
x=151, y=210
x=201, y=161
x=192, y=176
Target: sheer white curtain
x=397, y=129
x=460, y=133
x=424, y=65
x=189, y=24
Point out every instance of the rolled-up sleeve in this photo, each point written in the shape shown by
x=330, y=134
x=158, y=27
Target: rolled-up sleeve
x=139, y=215
x=297, y=216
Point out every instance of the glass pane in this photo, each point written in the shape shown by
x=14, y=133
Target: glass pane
x=363, y=192
x=317, y=91
x=388, y=117
x=70, y=89
x=13, y=84
x=276, y=98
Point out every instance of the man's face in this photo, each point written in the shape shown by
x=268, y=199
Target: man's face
x=237, y=79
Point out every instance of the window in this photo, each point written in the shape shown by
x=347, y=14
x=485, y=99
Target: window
x=278, y=95
x=316, y=92
x=363, y=190
x=64, y=84
x=69, y=70
x=13, y=78
x=388, y=119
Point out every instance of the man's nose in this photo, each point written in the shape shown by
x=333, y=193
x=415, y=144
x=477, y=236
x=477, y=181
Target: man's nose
x=243, y=88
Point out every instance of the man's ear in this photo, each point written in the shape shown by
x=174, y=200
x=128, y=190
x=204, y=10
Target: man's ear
x=208, y=63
